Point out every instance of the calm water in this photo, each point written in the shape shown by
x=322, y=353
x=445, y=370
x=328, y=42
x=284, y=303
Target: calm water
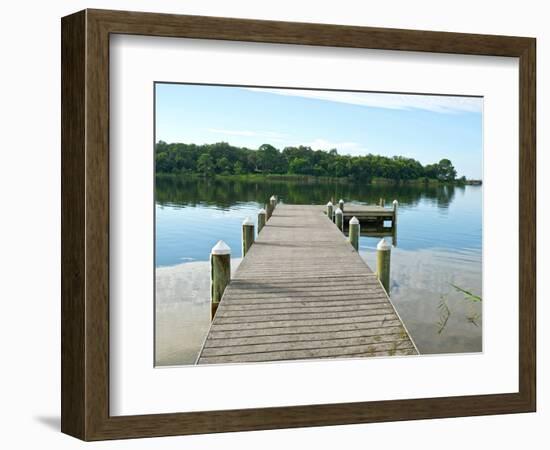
x=438, y=244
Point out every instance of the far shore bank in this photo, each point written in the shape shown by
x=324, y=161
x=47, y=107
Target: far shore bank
x=272, y=177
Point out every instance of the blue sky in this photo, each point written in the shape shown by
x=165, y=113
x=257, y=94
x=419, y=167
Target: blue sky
x=425, y=127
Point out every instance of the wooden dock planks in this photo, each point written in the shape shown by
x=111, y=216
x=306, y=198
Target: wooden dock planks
x=303, y=292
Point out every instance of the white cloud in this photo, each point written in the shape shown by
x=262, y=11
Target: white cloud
x=247, y=133
x=434, y=103
x=344, y=148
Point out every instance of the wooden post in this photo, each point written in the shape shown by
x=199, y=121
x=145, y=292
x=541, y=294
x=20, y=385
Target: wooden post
x=354, y=231
x=248, y=235
x=394, y=222
x=330, y=211
x=339, y=218
x=382, y=202
x=261, y=219
x=220, y=273
x=383, y=256
x=341, y=204
x=270, y=207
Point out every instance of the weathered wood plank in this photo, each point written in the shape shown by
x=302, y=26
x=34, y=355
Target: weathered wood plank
x=366, y=326
x=305, y=285
x=305, y=322
x=384, y=349
x=225, y=341
x=298, y=310
x=304, y=316
x=381, y=342
x=303, y=301
x=277, y=305
x=295, y=294
x=337, y=283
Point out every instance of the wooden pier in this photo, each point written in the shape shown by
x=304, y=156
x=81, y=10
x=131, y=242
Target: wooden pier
x=303, y=292
x=368, y=214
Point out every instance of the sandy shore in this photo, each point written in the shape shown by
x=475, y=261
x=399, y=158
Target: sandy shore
x=182, y=311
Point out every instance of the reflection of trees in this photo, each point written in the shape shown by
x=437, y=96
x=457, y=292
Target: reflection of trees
x=224, y=193
x=444, y=195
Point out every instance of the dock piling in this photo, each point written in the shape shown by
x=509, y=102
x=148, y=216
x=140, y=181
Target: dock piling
x=383, y=256
x=220, y=273
x=339, y=219
x=330, y=211
x=382, y=202
x=354, y=231
x=248, y=235
x=341, y=204
x=394, y=221
x=261, y=219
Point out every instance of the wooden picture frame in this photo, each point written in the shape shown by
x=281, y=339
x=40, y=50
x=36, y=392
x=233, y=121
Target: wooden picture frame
x=85, y=224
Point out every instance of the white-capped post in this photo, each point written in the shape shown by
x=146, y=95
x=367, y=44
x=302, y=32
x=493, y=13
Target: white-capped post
x=383, y=256
x=339, y=218
x=262, y=216
x=341, y=204
x=220, y=273
x=330, y=210
x=248, y=235
x=394, y=222
x=354, y=230
x=270, y=207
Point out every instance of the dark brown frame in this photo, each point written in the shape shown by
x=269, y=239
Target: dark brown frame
x=85, y=224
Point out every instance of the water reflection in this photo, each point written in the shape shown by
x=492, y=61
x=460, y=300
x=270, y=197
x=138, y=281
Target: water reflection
x=421, y=281
x=224, y=194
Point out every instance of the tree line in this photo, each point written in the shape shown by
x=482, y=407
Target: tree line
x=224, y=159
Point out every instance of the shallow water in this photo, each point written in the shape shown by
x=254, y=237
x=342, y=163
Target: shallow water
x=439, y=242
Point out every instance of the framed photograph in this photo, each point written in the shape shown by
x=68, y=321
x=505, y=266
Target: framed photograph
x=273, y=225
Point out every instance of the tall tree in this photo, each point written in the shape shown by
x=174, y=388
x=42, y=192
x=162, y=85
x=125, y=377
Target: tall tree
x=446, y=170
x=205, y=164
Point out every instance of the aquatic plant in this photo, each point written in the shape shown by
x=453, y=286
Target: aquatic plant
x=468, y=294
x=444, y=314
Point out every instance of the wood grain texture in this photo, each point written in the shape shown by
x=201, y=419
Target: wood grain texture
x=85, y=224
x=527, y=225
x=73, y=226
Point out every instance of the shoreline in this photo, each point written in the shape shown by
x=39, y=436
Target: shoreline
x=320, y=179
x=182, y=311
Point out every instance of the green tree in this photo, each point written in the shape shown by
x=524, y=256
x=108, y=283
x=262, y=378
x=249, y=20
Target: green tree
x=431, y=170
x=270, y=159
x=205, y=164
x=223, y=166
x=446, y=170
x=299, y=166
x=238, y=168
